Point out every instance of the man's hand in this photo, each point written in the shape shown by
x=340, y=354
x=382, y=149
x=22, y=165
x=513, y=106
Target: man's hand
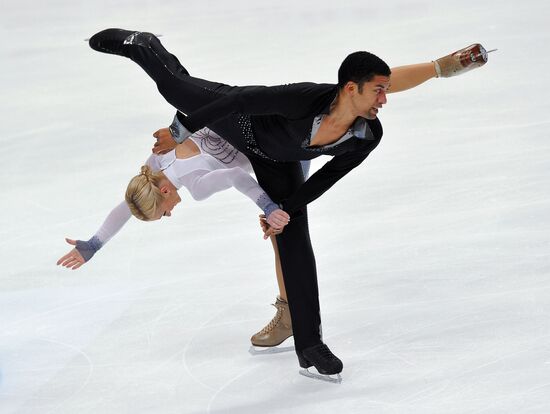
x=267, y=229
x=278, y=219
x=165, y=142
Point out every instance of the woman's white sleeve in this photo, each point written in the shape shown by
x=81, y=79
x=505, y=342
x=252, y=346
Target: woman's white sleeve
x=120, y=215
x=153, y=162
x=205, y=183
x=114, y=221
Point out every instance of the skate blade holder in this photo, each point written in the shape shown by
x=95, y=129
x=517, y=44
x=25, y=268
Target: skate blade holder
x=334, y=379
x=256, y=350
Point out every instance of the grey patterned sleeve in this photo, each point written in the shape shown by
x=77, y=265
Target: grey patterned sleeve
x=266, y=204
x=88, y=248
x=178, y=131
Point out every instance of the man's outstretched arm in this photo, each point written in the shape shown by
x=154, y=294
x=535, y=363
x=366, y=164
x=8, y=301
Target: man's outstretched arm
x=453, y=64
x=410, y=76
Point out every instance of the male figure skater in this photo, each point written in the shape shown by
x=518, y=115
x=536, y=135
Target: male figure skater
x=276, y=127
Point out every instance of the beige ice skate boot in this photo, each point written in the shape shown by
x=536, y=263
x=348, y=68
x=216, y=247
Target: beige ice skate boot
x=461, y=61
x=276, y=331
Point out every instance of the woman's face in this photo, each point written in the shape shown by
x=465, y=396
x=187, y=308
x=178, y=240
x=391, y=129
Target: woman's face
x=171, y=198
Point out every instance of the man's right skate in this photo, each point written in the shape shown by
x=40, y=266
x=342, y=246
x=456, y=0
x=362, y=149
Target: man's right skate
x=327, y=364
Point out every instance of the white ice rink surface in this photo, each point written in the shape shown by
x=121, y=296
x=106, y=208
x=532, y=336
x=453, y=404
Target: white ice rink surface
x=433, y=255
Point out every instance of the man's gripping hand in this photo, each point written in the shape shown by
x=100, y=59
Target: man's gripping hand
x=278, y=219
x=165, y=142
x=267, y=229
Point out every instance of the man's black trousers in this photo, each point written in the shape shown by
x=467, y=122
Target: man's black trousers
x=278, y=179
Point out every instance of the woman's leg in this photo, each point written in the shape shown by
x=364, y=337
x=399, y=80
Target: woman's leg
x=280, y=327
x=278, y=269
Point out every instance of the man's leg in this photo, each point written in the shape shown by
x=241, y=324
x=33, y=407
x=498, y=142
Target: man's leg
x=181, y=90
x=300, y=276
x=280, y=180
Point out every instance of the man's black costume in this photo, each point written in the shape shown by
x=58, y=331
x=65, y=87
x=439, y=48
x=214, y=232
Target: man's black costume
x=272, y=126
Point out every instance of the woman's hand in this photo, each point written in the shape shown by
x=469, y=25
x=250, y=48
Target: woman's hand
x=270, y=230
x=72, y=260
x=165, y=142
x=267, y=229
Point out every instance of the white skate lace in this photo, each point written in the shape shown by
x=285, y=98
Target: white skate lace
x=275, y=321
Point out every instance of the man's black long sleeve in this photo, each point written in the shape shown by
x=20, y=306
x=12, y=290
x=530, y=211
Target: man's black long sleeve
x=325, y=178
x=281, y=119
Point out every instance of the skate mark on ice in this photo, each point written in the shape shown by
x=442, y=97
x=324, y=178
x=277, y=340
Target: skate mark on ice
x=98, y=298
x=397, y=337
x=401, y=358
x=506, y=400
x=418, y=395
x=445, y=301
x=30, y=233
x=494, y=127
x=90, y=369
x=200, y=329
x=152, y=325
x=208, y=324
x=224, y=386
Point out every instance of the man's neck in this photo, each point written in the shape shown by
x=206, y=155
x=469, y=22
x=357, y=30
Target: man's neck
x=341, y=114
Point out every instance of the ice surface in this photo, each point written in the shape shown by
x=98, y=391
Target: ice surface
x=433, y=256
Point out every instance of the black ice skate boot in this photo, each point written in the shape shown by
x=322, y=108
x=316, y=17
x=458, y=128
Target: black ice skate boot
x=115, y=41
x=323, y=360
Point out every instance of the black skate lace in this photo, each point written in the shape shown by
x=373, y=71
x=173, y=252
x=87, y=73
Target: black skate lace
x=275, y=321
x=323, y=351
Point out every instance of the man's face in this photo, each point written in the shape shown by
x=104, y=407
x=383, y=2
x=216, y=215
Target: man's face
x=372, y=97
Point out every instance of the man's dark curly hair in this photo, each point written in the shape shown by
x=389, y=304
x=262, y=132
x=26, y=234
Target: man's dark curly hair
x=361, y=67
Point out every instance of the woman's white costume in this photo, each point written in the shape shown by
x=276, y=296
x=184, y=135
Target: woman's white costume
x=219, y=166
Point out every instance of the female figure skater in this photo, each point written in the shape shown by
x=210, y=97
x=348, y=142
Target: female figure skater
x=205, y=164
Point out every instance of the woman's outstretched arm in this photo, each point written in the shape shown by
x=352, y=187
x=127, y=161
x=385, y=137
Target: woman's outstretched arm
x=85, y=250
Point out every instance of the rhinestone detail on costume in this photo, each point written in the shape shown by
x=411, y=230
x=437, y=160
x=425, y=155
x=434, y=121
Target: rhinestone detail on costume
x=248, y=134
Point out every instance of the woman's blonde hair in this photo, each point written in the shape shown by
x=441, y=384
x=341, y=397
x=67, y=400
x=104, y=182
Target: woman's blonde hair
x=143, y=195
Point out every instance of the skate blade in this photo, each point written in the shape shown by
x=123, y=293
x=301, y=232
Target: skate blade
x=335, y=379
x=254, y=350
